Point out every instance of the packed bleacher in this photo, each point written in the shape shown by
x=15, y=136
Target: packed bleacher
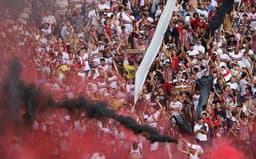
x=93, y=48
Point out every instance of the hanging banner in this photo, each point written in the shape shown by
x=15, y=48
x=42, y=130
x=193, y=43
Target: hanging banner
x=153, y=48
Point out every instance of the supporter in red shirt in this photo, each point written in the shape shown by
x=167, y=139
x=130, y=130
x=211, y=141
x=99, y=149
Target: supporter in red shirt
x=179, y=26
x=75, y=67
x=107, y=28
x=175, y=59
x=201, y=23
x=194, y=21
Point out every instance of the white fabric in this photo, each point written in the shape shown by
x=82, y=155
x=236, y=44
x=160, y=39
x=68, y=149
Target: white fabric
x=104, y=6
x=199, y=48
x=96, y=155
x=49, y=19
x=153, y=48
x=236, y=56
x=62, y=6
x=198, y=148
x=130, y=89
x=200, y=136
x=233, y=85
x=243, y=86
x=192, y=52
x=113, y=82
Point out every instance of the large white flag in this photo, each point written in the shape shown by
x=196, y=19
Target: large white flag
x=153, y=48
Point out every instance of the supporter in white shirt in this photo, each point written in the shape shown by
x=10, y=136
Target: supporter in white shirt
x=250, y=51
x=42, y=39
x=23, y=17
x=237, y=34
x=112, y=80
x=83, y=58
x=225, y=57
x=233, y=84
x=243, y=83
x=219, y=41
x=201, y=130
x=47, y=29
x=152, y=117
x=252, y=17
x=103, y=5
x=108, y=60
x=196, y=97
x=94, y=50
x=192, y=51
x=101, y=85
x=66, y=30
x=159, y=10
x=62, y=6
x=122, y=96
x=192, y=150
x=236, y=71
x=202, y=12
x=49, y=18
x=130, y=87
x=236, y=55
x=254, y=85
x=65, y=55
x=175, y=106
x=127, y=19
x=92, y=13
x=104, y=66
x=199, y=47
x=81, y=73
x=136, y=151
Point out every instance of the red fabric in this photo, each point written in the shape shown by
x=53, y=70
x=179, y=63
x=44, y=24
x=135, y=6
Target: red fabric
x=194, y=23
x=175, y=63
x=207, y=121
x=75, y=67
x=167, y=87
x=226, y=73
x=216, y=124
x=179, y=29
x=108, y=30
x=211, y=14
x=219, y=1
x=202, y=24
x=248, y=1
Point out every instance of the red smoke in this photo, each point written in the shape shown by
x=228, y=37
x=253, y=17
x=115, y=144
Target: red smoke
x=223, y=150
x=49, y=141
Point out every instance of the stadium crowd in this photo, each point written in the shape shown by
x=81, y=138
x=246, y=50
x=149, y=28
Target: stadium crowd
x=93, y=48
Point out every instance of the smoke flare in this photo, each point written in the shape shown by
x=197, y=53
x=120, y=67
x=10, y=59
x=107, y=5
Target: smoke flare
x=31, y=97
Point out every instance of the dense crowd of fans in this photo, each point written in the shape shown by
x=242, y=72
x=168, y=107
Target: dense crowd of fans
x=98, y=45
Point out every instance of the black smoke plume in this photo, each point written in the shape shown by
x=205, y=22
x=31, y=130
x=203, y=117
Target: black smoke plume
x=218, y=18
x=30, y=98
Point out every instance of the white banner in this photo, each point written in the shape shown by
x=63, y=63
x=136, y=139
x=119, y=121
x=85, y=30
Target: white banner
x=153, y=48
